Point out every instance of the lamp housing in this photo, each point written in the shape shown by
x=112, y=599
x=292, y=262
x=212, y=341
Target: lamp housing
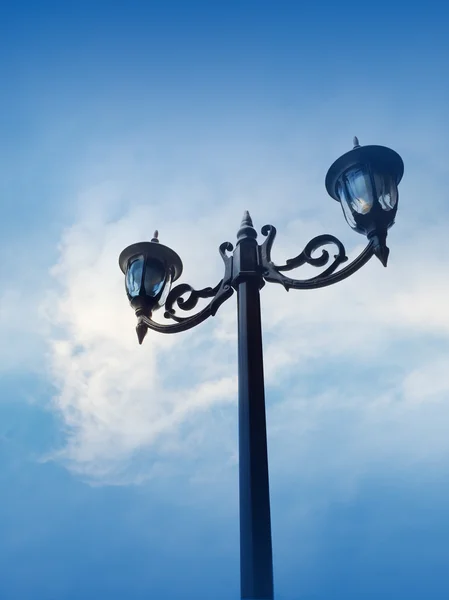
x=150, y=268
x=365, y=181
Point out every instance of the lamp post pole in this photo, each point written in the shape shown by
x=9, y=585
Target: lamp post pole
x=256, y=557
x=365, y=182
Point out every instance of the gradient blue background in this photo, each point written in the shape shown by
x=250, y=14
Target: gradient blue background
x=80, y=78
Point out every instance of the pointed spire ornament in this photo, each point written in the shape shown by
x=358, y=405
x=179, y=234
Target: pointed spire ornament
x=381, y=249
x=382, y=253
x=246, y=227
x=141, y=330
x=356, y=142
x=246, y=220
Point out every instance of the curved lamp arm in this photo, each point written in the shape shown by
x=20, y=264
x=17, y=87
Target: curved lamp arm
x=219, y=294
x=272, y=273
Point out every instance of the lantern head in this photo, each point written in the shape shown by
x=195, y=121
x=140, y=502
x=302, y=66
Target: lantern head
x=150, y=268
x=365, y=182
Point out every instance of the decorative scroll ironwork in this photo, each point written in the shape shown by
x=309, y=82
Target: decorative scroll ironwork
x=219, y=294
x=185, y=298
x=273, y=273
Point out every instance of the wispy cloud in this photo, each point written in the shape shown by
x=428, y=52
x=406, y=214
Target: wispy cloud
x=117, y=398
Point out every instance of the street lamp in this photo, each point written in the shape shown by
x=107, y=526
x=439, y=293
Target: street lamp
x=365, y=182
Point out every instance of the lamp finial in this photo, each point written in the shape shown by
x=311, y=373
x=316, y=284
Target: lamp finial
x=246, y=227
x=381, y=249
x=246, y=221
x=141, y=330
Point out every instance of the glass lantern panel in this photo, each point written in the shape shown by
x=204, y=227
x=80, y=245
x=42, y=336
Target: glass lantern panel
x=341, y=192
x=359, y=189
x=386, y=191
x=154, y=277
x=166, y=291
x=134, y=277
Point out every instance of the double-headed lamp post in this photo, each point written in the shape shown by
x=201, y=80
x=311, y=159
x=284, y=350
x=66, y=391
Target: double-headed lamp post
x=365, y=182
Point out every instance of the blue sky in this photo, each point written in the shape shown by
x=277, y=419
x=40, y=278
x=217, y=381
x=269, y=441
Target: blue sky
x=118, y=463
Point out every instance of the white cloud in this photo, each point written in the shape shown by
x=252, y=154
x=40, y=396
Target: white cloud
x=118, y=400
x=113, y=395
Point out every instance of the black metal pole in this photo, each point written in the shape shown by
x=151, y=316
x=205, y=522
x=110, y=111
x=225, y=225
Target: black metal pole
x=256, y=560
